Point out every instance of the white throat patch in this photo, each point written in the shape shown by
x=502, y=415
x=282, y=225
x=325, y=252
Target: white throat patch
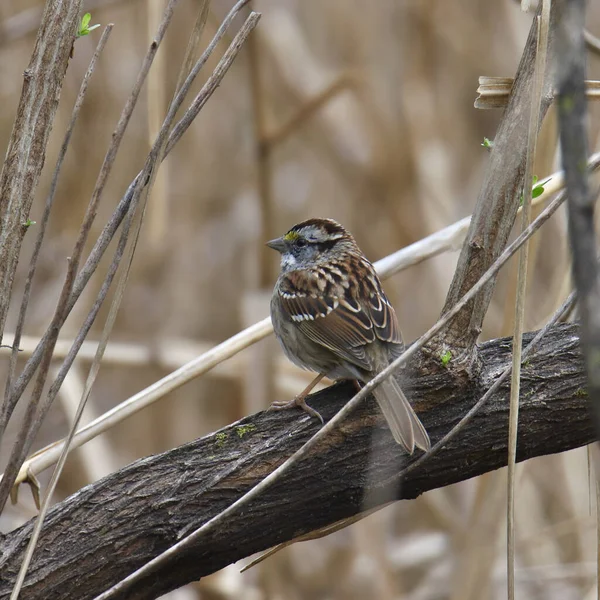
x=288, y=260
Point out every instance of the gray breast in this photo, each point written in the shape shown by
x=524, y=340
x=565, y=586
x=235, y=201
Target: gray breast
x=301, y=350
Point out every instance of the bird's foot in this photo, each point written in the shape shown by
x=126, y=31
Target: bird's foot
x=298, y=402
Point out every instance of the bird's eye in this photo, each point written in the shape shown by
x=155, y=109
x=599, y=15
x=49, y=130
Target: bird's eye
x=300, y=243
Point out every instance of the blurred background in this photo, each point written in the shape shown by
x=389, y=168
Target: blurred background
x=359, y=110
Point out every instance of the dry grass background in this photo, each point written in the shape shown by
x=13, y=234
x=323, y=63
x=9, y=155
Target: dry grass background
x=394, y=154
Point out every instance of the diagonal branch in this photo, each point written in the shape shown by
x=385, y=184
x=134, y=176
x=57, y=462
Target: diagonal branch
x=497, y=203
x=328, y=429
x=46, y=214
x=144, y=508
x=124, y=204
x=386, y=267
x=33, y=416
x=410, y=255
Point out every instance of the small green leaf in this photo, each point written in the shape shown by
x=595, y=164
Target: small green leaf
x=84, y=28
x=487, y=143
x=29, y=223
x=446, y=357
x=537, y=191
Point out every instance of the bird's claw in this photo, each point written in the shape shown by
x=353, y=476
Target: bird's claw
x=297, y=402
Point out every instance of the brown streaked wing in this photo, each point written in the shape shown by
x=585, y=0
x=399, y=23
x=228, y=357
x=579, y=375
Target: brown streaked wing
x=344, y=332
x=339, y=324
x=383, y=314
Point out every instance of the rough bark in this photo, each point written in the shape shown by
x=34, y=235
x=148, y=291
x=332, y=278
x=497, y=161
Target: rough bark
x=42, y=84
x=498, y=200
x=103, y=532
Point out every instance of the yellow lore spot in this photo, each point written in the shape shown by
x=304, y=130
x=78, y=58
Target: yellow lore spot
x=291, y=236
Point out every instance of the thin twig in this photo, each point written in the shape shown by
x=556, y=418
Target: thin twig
x=46, y=216
x=220, y=70
x=169, y=353
x=120, y=211
x=331, y=425
x=194, y=41
x=211, y=84
x=543, y=24
x=316, y=534
x=62, y=310
x=156, y=105
x=494, y=92
x=572, y=116
x=593, y=43
x=26, y=152
x=156, y=156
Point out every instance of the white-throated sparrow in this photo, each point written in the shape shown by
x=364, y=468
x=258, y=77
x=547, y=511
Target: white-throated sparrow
x=331, y=316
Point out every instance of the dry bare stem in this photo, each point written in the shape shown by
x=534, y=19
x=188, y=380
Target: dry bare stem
x=46, y=216
x=496, y=208
x=543, y=25
x=156, y=101
x=34, y=417
x=281, y=133
x=593, y=43
x=123, y=206
x=131, y=201
x=42, y=84
x=494, y=92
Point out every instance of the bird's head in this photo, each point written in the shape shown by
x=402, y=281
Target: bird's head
x=312, y=242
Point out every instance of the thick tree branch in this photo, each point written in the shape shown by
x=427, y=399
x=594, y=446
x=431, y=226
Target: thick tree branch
x=114, y=526
x=42, y=84
x=498, y=200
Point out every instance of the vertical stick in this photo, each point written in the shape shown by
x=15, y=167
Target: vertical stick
x=536, y=99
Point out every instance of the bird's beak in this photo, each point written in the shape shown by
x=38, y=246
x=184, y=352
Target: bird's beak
x=277, y=244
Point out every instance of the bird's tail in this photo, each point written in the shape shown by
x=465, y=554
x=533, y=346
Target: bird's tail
x=406, y=427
